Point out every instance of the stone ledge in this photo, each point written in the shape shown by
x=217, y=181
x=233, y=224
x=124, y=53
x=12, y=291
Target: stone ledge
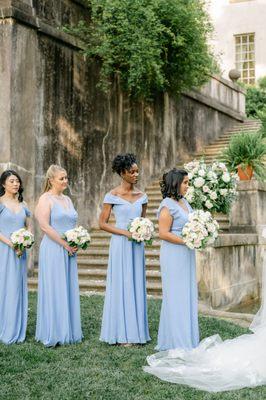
x=252, y=185
x=42, y=27
x=236, y=239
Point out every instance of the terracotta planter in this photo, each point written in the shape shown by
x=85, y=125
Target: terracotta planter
x=245, y=174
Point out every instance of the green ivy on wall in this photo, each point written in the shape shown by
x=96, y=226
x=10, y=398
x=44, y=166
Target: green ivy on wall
x=152, y=45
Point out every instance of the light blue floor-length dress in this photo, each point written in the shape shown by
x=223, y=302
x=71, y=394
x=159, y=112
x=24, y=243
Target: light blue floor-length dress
x=58, y=310
x=125, y=307
x=13, y=280
x=178, y=326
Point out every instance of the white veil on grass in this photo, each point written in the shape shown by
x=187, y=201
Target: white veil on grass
x=217, y=365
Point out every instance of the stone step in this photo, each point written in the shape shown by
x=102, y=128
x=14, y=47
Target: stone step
x=89, y=254
x=216, y=146
x=102, y=262
x=153, y=288
x=100, y=274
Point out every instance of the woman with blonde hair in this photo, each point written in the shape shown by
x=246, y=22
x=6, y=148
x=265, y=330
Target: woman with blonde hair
x=58, y=311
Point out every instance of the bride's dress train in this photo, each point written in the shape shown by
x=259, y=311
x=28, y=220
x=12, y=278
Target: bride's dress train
x=217, y=365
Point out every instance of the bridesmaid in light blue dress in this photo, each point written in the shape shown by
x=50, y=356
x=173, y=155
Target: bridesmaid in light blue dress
x=13, y=269
x=124, y=319
x=58, y=310
x=179, y=313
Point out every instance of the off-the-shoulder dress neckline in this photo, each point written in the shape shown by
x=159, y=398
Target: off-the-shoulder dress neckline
x=130, y=202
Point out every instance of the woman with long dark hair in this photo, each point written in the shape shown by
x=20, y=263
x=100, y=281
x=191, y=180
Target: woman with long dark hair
x=13, y=265
x=179, y=314
x=125, y=319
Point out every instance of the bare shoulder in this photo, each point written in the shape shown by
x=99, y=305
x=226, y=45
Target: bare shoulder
x=138, y=192
x=44, y=198
x=164, y=213
x=115, y=191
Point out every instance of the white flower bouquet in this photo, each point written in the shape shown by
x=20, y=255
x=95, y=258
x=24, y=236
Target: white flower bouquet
x=142, y=230
x=212, y=188
x=201, y=230
x=22, y=239
x=77, y=237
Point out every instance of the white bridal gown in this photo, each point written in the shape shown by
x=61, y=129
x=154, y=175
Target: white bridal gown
x=217, y=365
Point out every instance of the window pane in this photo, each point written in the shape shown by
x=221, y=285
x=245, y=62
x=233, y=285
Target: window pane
x=251, y=47
x=245, y=56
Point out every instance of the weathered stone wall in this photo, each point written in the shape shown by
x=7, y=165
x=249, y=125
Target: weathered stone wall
x=51, y=110
x=230, y=272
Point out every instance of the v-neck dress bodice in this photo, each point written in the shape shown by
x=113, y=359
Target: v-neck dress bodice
x=125, y=308
x=58, y=310
x=178, y=326
x=13, y=281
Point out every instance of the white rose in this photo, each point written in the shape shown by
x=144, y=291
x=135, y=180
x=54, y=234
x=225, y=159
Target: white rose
x=199, y=182
x=226, y=177
x=209, y=204
x=206, y=189
x=213, y=195
x=222, y=166
x=223, y=192
x=212, y=175
x=202, y=172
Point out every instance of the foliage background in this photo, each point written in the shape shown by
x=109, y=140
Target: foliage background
x=151, y=45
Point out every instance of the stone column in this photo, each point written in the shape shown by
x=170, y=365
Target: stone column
x=230, y=272
x=248, y=213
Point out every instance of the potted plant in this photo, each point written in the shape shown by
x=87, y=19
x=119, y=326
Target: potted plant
x=246, y=154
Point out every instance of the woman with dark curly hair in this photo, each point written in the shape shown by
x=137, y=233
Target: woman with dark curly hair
x=13, y=265
x=179, y=316
x=125, y=309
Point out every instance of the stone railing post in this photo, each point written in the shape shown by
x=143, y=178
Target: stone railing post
x=248, y=213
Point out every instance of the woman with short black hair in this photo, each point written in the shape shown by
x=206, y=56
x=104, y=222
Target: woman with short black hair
x=179, y=314
x=13, y=264
x=125, y=311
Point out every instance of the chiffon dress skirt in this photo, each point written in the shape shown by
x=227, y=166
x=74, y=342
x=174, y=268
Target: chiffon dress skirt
x=13, y=280
x=125, y=309
x=58, y=310
x=178, y=326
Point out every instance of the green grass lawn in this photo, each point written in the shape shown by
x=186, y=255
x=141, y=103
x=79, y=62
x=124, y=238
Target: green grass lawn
x=94, y=370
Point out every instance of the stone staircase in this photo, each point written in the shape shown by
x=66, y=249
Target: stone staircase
x=213, y=150
x=92, y=263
